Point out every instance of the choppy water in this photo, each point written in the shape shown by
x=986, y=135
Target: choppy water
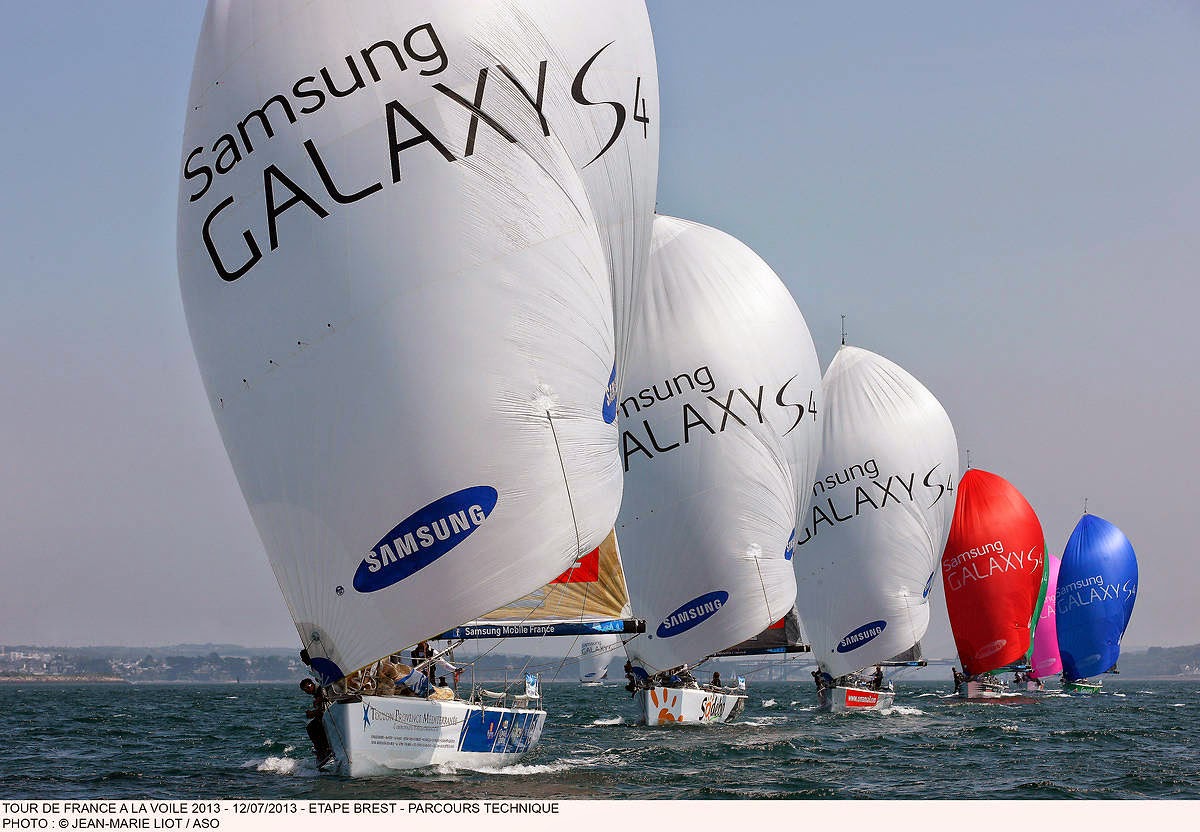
x=1136, y=740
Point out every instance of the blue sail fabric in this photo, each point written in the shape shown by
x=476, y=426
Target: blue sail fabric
x=1097, y=585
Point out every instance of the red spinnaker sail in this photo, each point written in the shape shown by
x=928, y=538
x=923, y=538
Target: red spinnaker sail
x=992, y=572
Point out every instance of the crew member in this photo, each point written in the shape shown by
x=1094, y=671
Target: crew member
x=315, y=726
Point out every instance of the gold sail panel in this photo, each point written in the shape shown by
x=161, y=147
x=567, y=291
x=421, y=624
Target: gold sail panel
x=592, y=589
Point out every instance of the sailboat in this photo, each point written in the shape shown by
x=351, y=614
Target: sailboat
x=596, y=653
x=993, y=573
x=1045, y=662
x=883, y=500
x=1097, y=586
x=720, y=427
x=397, y=226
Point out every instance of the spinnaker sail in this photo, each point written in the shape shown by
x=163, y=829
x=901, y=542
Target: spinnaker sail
x=992, y=572
x=720, y=428
x=596, y=653
x=1097, y=586
x=399, y=229
x=883, y=499
x=1046, y=661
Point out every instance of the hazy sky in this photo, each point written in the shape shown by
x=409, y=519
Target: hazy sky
x=1002, y=199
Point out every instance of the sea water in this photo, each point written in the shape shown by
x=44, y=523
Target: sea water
x=1137, y=739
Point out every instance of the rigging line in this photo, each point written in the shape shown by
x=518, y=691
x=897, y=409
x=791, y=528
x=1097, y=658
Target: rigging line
x=566, y=483
x=575, y=525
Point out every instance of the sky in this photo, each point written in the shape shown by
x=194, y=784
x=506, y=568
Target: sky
x=1002, y=199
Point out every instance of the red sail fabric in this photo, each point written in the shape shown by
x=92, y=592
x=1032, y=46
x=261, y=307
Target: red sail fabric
x=992, y=572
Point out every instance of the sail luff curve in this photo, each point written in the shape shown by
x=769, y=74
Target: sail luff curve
x=719, y=421
x=396, y=279
x=1097, y=587
x=992, y=572
x=883, y=500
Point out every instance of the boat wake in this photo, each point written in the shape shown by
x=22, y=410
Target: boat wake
x=762, y=721
x=274, y=765
x=521, y=770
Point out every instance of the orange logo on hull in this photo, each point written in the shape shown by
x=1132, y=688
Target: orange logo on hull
x=665, y=713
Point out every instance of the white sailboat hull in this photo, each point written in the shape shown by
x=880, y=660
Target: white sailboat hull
x=849, y=699
x=662, y=706
x=997, y=692
x=976, y=689
x=383, y=734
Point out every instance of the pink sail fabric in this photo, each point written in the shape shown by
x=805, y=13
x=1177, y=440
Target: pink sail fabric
x=1046, y=661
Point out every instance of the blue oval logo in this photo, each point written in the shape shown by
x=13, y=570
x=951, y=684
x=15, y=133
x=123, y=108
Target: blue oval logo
x=691, y=614
x=790, y=549
x=861, y=636
x=610, y=397
x=424, y=536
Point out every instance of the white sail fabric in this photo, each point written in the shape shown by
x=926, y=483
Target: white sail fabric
x=596, y=653
x=867, y=556
x=719, y=424
x=399, y=296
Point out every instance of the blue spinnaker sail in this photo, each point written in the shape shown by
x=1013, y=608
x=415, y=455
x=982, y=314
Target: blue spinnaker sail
x=1097, y=585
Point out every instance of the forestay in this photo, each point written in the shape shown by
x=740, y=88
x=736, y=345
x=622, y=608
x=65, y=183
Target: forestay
x=1097, y=586
x=883, y=499
x=394, y=259
x=719, y=423
x=992, y=572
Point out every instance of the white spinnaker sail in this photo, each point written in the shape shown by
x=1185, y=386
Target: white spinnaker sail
x=596, y=653
x=868, y=553
x=719, y=422
x=399, y=298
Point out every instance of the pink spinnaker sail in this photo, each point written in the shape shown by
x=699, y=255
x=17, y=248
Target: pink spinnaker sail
x=1046, y=661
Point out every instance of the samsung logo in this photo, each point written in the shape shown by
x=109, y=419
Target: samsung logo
x=610, y=397
x=991, y=648
x=861, y=636
x=424, y=536
x=692, y=613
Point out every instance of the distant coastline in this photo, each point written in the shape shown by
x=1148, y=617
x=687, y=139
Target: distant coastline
x=226, y=664
x=84, y=679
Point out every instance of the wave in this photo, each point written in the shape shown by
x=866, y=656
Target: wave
x=904, y=710
x=522, y=770
x=769, y=703
x=274, y=765
x=616, y=720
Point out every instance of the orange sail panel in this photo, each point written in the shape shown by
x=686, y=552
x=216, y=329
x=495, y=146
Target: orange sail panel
x=992, y=572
